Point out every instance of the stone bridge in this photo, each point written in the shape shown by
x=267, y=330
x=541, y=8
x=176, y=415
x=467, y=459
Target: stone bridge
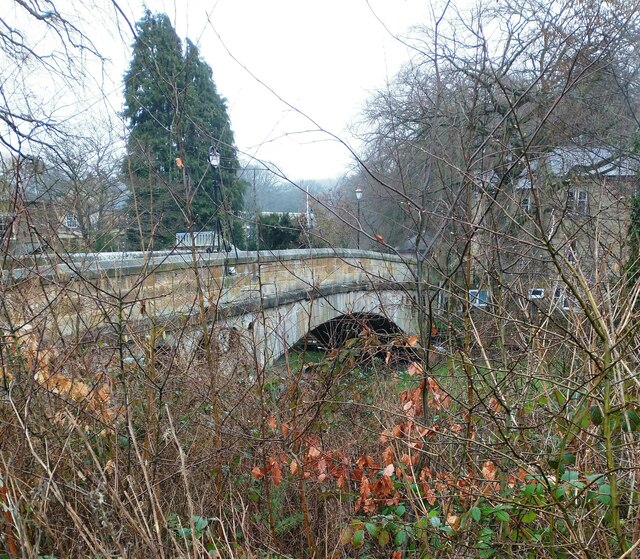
x=272, y=299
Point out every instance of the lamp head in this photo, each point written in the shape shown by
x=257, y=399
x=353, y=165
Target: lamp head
x=214, y=157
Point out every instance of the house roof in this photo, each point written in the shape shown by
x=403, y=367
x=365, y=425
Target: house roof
x=585, y=161
x=591, y=161
x=44, y=186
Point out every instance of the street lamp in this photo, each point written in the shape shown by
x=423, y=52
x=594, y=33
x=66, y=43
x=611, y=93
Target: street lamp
x=358, y=198
x=214, y=161
x=214, y=157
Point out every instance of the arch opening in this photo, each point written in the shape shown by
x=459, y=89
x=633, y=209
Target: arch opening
x=335, y=332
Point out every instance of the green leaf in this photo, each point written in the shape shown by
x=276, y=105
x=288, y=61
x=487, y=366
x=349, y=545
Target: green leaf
x=383, y=538
x=559, y=397
x=476, y=514
x=199, y=523
x=372, y=529
x=529, y=516
x=254, y=495
x=400, y=539
x=503, y=516
x=570, y=475
x=604, y=494
x=358, y=538
x=435, y=521
x=346, y=535
x=400, y=510
x=529, y=489
x=596, y=414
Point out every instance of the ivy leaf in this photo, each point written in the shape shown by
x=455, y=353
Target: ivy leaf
x=358, y=538
x=476, y=514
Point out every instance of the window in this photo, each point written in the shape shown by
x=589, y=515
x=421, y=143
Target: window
x=563, y=298
x=577, y=201
x=536, y=293
x=478, y=297
x=6, y=227
x=524, y=182
x=71, y=220
x=581, y=204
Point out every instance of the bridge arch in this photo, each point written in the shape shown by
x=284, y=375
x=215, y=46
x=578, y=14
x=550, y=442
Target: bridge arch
x=335, y=332
x=274, y=330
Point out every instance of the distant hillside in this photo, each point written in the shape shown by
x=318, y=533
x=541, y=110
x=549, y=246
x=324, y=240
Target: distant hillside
x=281, y=197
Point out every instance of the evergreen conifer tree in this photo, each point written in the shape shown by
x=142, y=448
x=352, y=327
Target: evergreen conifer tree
x=175, y=115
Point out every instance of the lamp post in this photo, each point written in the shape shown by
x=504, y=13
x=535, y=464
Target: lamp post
x=358, y=198
x=214, y=161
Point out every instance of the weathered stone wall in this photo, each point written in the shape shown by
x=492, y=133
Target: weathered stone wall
x=278, y=296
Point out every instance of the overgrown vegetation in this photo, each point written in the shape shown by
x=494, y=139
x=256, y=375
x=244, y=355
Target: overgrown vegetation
x=506, y=425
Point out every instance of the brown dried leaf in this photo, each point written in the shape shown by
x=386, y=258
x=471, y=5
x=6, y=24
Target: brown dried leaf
x=369, y=506
x=429, y=495
x=387, y=455
x=284, y=429
x=276, y=473
x=412, y=341
x=365, y=487
x=384, y=436
x=453, y=521
x=257, y=473
x=314, y=452
x=495, y=405
x=489, y=470
x=414, y=369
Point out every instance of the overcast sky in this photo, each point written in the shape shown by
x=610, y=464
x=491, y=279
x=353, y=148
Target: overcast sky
x=323, y=58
